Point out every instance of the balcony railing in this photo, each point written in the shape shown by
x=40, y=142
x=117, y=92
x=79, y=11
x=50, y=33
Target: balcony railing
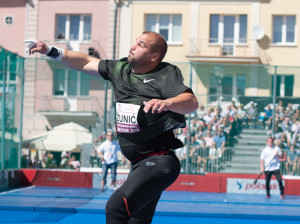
x=224, y=47
x=66, y=104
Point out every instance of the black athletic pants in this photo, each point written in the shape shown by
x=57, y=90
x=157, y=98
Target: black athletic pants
x=268, y=175
x=135, y=201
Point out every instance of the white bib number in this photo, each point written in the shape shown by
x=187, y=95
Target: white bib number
x=127, y=118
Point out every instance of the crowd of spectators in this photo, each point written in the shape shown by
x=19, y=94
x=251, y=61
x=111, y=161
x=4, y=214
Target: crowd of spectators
x=213, y=133
x=286, y=134
x=211, y=136
x=52, y=160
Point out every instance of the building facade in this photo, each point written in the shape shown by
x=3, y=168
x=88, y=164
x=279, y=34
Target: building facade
x=235, y=45
x=241, y=42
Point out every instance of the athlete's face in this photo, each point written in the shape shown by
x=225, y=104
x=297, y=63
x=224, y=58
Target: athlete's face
x=140, y=53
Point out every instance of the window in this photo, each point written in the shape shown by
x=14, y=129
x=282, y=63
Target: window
x=169, y=26
x=8, y=20
x=284, y=85
x=70, y=83
x=228, y=30
x=73, y=27
x=284, y=29
x=231, y=85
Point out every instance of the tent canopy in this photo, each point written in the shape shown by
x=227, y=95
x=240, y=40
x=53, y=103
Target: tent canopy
x=66, y=137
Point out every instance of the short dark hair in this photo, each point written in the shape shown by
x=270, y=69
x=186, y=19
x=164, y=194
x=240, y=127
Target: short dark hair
x=271, y=137
x=159, y=45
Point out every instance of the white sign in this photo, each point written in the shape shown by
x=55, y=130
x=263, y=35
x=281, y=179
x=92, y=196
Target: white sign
x=247, y=186
x=97, y=177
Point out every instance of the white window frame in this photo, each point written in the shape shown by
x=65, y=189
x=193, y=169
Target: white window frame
x=170, y=28
x=78, y=85
x=234, y=83
x=284, y=32
x=67, y=27
x=236, y=35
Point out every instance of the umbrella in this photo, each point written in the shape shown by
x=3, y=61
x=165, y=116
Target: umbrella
x=67, y=137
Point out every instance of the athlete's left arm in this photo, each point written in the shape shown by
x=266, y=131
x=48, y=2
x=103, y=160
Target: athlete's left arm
x=184, y=103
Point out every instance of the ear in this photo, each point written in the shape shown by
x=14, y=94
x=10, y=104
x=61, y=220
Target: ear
x=155, y=57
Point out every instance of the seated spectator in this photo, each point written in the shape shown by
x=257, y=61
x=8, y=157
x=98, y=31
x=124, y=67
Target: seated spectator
x=286, y=125
x=241, y=116
x=202, y=154
x=285, y=143
x=277, y=132
x=289, y=110
x=291, y=161
x=194, y=152
x=64, y=160
x=201, y=112
x=214, y=157
x=73, y=163
x=251, y=115
x=208, y=117
x=208, y=139
x=267, y=120
x=220, y=140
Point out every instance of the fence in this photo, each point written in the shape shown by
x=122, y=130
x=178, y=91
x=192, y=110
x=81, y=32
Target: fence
x=11, y=98
x=55, y=95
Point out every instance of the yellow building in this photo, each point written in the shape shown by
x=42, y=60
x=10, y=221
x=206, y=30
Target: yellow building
x=236, y=45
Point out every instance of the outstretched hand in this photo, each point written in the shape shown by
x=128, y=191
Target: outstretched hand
x=36, y=46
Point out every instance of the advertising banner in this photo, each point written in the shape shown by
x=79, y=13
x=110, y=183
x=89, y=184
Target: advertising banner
x=98, y=176
x=247, y=186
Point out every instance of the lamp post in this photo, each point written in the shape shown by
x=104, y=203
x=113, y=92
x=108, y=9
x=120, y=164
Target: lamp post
x=219, y=73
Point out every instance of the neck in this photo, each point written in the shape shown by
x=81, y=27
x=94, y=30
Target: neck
x=144, y=69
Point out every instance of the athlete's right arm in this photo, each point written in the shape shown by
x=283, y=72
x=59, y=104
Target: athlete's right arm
x=81, y=62
x=72, y=59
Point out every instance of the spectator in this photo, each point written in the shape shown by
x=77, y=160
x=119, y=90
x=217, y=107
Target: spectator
x=267, y=118
x=269, y=164
x=291, y=161
x=202, y=154
x=201, y=112
x=109, y=157
x=220, y=141
x=251, y=114
x=241, y=116
x=284, y=141
x=214, y=157
x=64, y=160
x=208, y=139
x=194, y=152
x=74, y=163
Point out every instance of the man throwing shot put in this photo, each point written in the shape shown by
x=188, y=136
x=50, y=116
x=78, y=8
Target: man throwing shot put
x=151, y=101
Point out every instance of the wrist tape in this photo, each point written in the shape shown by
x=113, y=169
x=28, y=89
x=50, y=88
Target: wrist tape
x=55, y=53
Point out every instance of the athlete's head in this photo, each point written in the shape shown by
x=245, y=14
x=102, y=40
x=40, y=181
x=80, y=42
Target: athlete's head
x=159, y=45
x=148, y=51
